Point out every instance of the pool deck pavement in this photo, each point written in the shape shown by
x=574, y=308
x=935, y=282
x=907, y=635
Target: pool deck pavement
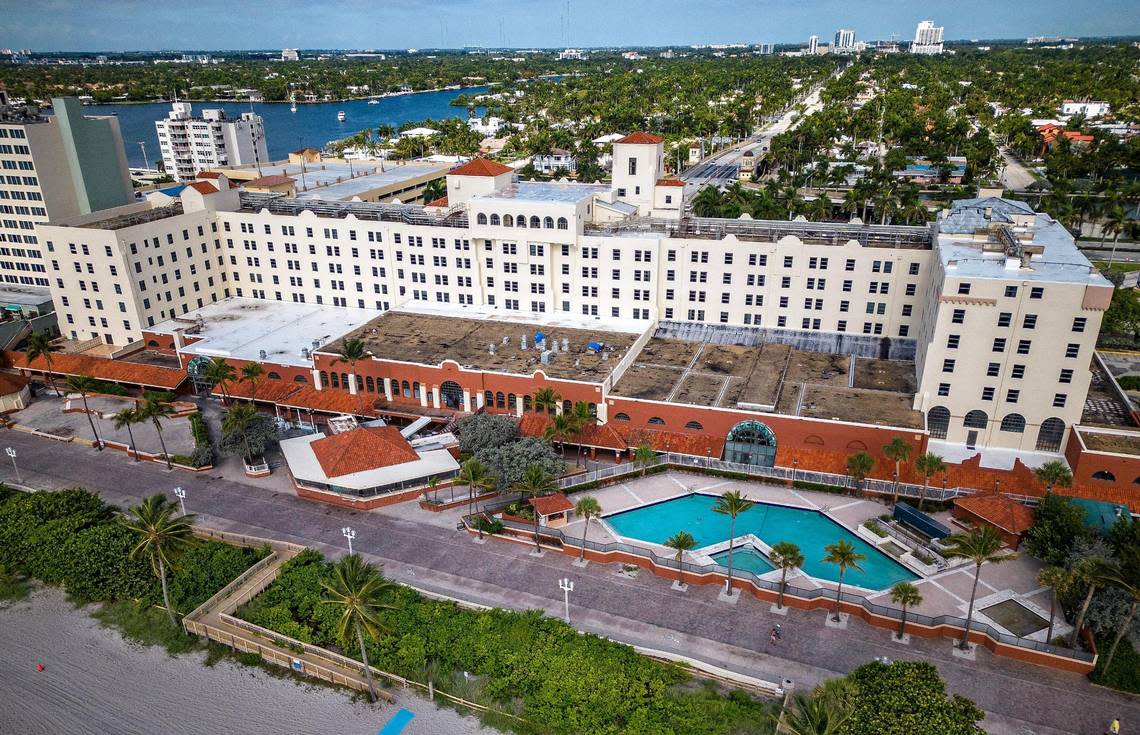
x=945, y=593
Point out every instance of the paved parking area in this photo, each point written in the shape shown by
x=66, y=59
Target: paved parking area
x=46, y=414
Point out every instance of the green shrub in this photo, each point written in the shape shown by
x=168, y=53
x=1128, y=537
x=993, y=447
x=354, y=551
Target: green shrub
x=875, y=528
x=1125, y=671
x=1129, y=382
x=111, y=389
x=492, y=527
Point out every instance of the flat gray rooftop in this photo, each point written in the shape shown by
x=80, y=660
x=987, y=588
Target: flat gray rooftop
x=243, y=328
x=23, y=295
x=548, y=191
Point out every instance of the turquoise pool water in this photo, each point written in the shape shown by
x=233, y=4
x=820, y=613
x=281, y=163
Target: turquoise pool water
x=809, y=530
x=746, y=558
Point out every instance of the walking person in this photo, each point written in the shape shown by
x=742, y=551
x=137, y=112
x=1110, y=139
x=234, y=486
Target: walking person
x=1113, y=727
x=773, y=637
x=778, y=632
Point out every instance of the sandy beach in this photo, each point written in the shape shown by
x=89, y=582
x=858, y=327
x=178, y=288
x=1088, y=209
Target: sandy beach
x=96, y=682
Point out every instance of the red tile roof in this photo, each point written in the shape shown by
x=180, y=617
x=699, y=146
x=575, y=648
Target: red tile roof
x=203, y=187
x=641, y=138
x=116, y=371
x=304, y=150
x=670, y=182
x=329, y=400
x=362, y=449
x=696, y=445
x=481, y=167
x=550, y=504
x=10, y=383
x=271, y=180
x=998, y=510
x=441, y=202
x=208, y=175
x=603, y=436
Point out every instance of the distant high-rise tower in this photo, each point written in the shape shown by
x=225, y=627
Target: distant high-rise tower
x=927, y=38
x=191, y=144
x=844, y=40
x=813, y=45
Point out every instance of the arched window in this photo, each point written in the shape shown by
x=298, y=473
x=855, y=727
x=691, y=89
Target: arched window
x=152, y=343
x=621, y=417
x=271, y=375
x=359, y=382
x=481, y=219
x=299, y=378
x=526, y=403
x=500, y=400
x=1104, y=475
x=814, y=440
x=594, y=410
x=407, y=389
x=371, y=384
x=752, y=443
x=1014, y=422
x=521, y=220
x=488, y=399
x=494, y=219
x=344, y=380
x=938, y=422
x=976, y=419
x=335, y=380
x=695, y=426
x=508, y=221
x=535, y=223
x=563, y=224
x=657, y=420
x=548, y=223
x=1050, y=434
x=1136, y=481
x=451, y=394
x=857, y=446
x=567, y=406
x=512, y=402
x=416, y=389
x=324, y=379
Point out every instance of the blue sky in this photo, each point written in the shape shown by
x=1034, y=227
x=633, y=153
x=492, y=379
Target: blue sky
x=119, y=25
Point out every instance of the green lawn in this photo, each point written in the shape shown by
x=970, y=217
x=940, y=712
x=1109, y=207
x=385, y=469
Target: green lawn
x=1125, y=671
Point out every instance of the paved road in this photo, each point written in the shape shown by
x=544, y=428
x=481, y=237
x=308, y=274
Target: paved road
x=1014, y=176
x=425, y=552
x=96, y=682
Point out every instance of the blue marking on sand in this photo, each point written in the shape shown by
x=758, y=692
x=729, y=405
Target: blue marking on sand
x=397, y=724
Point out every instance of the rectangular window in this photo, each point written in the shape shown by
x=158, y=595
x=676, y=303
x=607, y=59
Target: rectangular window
x=1012, y=395
x=1030, y=321
x=947, y=366
x=1059, y=400
x=987, y=394
x=1023, y=346
x=999, y=344
x=1004, y=319
x=1010, y=292
x=952, y=341
x=913, y=269
x=1018, y=372
x=1079, y=324
x=963, y=289
x=1066, y=375
x=958, y=317
x=633, y=166
x=1037, y=292
x=1072, y=350
x=943, y=389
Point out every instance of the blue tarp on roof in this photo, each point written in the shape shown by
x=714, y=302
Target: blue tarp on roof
x=1100, y=514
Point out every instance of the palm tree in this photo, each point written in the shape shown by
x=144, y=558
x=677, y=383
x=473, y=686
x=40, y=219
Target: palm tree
x=859, y=465
x=475, y=476
x=219, y=372
x=433, y=487
x=1056, y=578
x=897, y=451
x=84, y=384
x=785, y=555
x=124, y=420
x=561, y=428
x=643, y=454
x=351, y=350
x=906, y=595
x=535, y=482
x=681, y=542
x=40, y=345
x=1053, y=473
x=1092, y=570
x=928, y=464
x=163, y=535
x=359, y=589
x=156, y=410
x=251, y=373
x=1125, y=574
x=731, y=504
x=980, y=545
x=237, y=420
x=546, y=400
x=582, y=417
x=587, y=508
x=818, y=713
x=843, y=554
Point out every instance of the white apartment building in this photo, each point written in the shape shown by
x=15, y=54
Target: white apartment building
x=995, y=305
x=813, y=45
x=191, y=144
x=1088, y=108
x=844, y=41
x=290, y=54
x=52, y=168
x=927, y=38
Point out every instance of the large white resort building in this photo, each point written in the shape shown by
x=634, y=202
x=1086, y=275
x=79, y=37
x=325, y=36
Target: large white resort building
x=191, y=144
x=991, y=311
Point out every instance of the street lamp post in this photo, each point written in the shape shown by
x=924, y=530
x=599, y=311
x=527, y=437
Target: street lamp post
x=12, y=453
x=567, y=586
x=349, y=534
x=181, y=495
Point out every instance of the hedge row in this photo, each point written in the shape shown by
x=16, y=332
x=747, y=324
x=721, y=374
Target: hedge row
x=521, y=662
x=73, y=539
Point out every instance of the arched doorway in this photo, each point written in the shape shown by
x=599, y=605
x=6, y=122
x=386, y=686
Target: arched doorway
x=1050, y=434
x=451, y=394
x=751, y=442
x=938, y=422
x=197, y=368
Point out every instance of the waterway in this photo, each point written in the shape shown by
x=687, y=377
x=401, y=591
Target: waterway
x=311, y=125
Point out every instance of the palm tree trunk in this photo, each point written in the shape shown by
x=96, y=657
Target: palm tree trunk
x=1124, y=626
x=586, y=530
x=895, y=499
x=925, y=485
x=162, y=441
x=838, y=597
x=364, y=658
x=1052, y=613
x=783, y=586
x=165, y=593
x=537, y=548
x=98, y=441
x=1081, y=615
x=965, y=644
x=131, y=436
x=680, y=568
x=902, y=625
x=731, y=537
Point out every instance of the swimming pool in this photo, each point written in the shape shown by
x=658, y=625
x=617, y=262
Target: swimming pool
x=808, y=529
x=745, y=558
